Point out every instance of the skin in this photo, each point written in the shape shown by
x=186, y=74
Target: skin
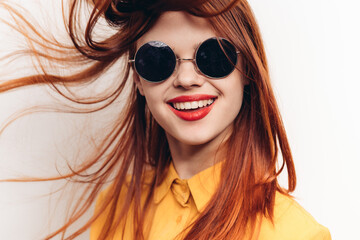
x=194, y=145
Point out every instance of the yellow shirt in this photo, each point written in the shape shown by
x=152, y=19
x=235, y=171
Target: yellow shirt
x=178, y=202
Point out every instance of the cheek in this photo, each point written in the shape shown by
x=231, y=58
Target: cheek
x=234, y=95
x=235, y=100
x=151, y=92
x=154, y=100
x=151, y=101
x=232, y=88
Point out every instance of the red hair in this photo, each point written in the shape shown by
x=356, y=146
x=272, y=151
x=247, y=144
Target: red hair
x=249, y=174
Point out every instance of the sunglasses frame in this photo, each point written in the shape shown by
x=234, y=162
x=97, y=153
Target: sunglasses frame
x=179, y=60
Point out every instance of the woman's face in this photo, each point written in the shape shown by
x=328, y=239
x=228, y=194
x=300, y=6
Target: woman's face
x=183, y=33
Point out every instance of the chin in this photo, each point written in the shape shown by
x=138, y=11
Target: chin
x=193, y=140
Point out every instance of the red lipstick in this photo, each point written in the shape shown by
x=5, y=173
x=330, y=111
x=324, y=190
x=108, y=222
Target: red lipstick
x=192, y=115
x=190, y=98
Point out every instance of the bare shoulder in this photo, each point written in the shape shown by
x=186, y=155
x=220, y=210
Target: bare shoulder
x=292, y=221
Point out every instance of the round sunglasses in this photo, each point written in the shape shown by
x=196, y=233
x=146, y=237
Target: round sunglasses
x=155, y=61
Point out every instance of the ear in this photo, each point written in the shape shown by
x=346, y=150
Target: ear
x=138, y=83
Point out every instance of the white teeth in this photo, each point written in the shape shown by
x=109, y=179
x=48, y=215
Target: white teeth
x=192, y=105
x=182, y=106
x=201, y=103
x=187, y=105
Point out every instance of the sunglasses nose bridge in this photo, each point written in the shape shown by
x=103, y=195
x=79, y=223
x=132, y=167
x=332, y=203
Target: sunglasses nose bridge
x=186, y=77
x=186, y=60
x=193, y=60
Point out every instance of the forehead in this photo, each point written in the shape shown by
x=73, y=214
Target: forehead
x=174, y=28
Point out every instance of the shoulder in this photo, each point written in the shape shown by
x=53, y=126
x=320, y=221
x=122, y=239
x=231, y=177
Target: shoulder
x=291, y=221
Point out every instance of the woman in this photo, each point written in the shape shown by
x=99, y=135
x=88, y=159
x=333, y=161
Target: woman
x=194, y=155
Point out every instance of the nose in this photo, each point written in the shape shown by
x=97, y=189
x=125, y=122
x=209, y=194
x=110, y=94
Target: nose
x=186, y=74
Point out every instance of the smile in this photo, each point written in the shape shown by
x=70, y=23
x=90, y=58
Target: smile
x=192, y=107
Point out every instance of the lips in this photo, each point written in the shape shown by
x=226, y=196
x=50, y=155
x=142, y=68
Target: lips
x=192, y=107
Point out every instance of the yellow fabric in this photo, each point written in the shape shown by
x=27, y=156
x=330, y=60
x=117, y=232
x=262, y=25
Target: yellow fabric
x=178, y=202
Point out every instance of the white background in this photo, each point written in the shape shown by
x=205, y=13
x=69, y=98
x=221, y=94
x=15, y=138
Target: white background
x=313, y=49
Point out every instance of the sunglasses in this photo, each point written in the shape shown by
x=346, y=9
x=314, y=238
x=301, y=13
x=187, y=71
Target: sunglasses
x=214, y=58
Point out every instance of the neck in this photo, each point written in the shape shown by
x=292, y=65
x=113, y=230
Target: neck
x=189, y=160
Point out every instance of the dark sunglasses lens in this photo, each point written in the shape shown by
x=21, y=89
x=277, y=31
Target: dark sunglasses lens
x=155, y=61
x=212, y=61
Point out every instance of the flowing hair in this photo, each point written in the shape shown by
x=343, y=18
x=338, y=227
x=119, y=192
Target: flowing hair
x=248, y=184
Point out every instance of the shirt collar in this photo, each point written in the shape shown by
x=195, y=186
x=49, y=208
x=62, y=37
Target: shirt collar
x=202, y=185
